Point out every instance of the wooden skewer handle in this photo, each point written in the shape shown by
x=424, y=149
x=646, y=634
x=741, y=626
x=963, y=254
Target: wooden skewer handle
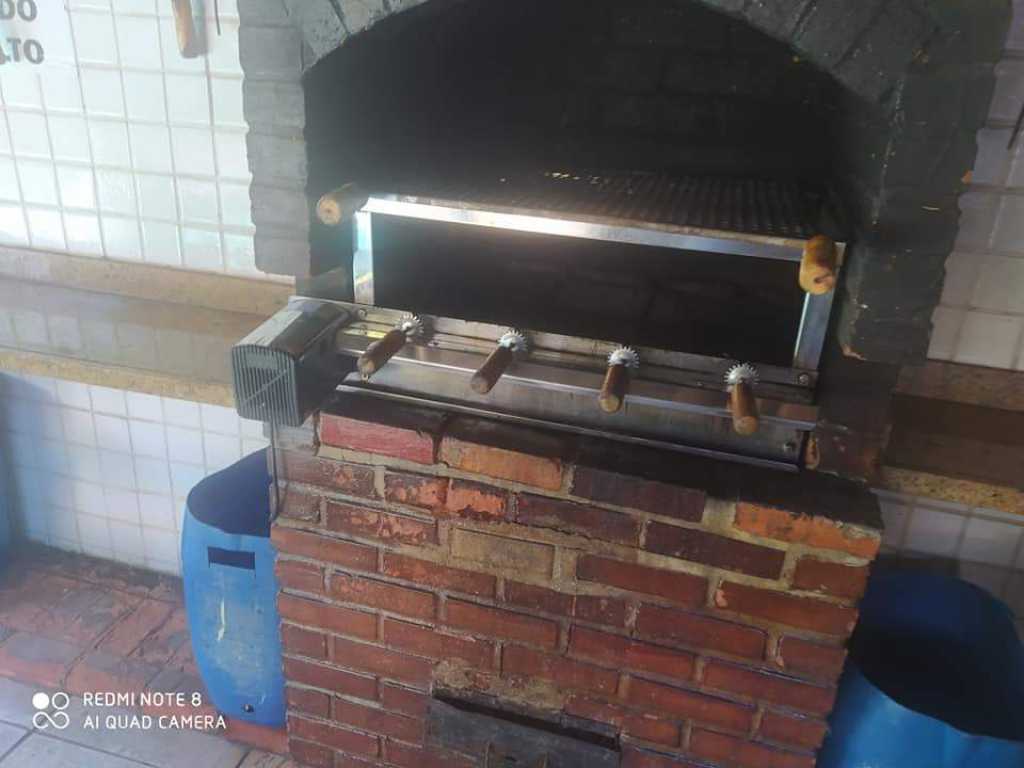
x=818, y=265
x=743, y=405
x=613, y=391
x=494, y=366
x=339, y=205
x=185, y=29
x=379, y=352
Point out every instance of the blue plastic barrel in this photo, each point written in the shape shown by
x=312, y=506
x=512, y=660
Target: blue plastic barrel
x=935, y=680
x=231, y=592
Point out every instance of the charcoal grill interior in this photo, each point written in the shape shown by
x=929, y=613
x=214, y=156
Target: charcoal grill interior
x=493, y=97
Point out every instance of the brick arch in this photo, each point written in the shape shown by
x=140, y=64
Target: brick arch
x=866, y=45
x=918, y=72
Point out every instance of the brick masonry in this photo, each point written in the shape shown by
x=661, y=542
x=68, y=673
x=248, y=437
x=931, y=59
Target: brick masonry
x=693, y=622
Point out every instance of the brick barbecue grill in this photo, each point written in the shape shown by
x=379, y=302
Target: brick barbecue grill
x=614, y=602
x=463, y=584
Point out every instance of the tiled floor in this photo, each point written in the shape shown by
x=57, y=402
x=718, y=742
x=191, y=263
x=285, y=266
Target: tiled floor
x=76, y=624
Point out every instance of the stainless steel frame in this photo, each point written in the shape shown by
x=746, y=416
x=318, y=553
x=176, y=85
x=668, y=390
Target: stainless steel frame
x=674, y=398
x=816, y=310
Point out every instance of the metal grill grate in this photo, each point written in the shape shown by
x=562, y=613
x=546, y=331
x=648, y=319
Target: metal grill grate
x=753, y=206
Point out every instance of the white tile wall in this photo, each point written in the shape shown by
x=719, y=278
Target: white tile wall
x=106, y=472
x=981, y=317
x=126, y=150
x=986, y=544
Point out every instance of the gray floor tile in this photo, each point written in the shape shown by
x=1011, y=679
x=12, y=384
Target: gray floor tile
x=9, y=736
x=160, y=748
x=16, y=702
x=43, y=752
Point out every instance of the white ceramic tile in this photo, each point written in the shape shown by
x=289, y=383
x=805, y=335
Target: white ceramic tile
x=182, y=413
x=1000, y=285
x=38, y=182
x=108, y=400
x=223, y=55
x=94, y=37
x=193, y=151
x=977, y=215
x=156, y=510
x=84, y=463
x=147, y=438
x=109, y=139
x=251, y=429
x=73, y=394
x=63, y=528
x=138, y=38
x=83, y=234
x=144, y=96
x=160, y=546
x=184, y=477
x=232, y=157
x=69, y=138
x=253, y=444
x=30, y=327
x=21, y=87
x=990, y=340
x=156, y=197
x=198, y=200
x=102, y=91
x=77, y=187
x=895, y=516
x=990, y=541
x=151, y=150
x=236, y=205
x=51, y=456
x=9, y=189
x=116, y=191
x=95, y=535
x=152, y=475
x=13, y=229
x=173, y=61
x=227, y=102
x=239, y=253
x=65, y=333
x=201, y=249
x=121, y=504
x=221, y=451
x=1009, y=229
x=185, y=445
x=78, y=426
x=143, y=406
x=160, y=243
x=217, y=418
x=188, y=100
x=112, y=433
x=61, y=90
x=1009, y=90
x=127, y=542
x=993, y=162
x=121, y=238
x=29, y=137
x=88, y=498
x=933, y=532
x=45, y=228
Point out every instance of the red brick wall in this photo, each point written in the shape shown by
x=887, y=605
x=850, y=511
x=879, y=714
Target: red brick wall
x=418, y=552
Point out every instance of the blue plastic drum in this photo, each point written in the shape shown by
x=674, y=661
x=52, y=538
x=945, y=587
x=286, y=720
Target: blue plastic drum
x=935, y=680
x=231, y=592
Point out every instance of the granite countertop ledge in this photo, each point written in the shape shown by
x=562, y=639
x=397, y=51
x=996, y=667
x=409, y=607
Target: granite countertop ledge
x=149, y=329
